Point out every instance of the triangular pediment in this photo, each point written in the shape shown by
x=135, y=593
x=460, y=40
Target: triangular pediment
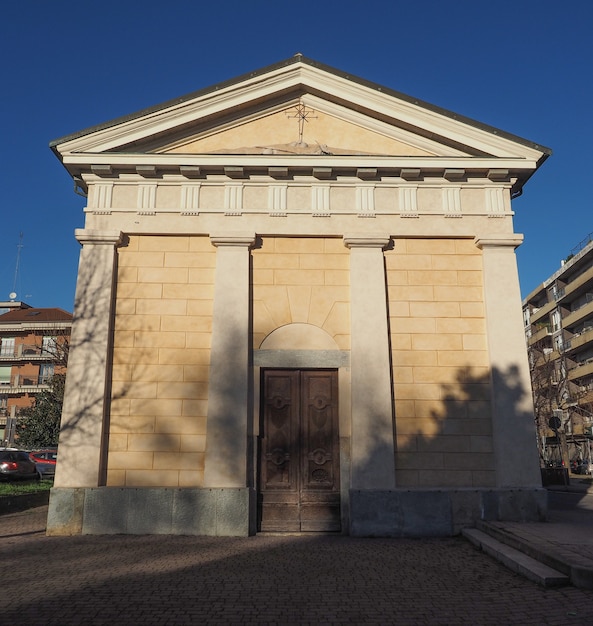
x=298, y=128
x=257, y=115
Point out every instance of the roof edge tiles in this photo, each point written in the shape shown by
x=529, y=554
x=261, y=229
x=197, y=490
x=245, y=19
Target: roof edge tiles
x=36, y=315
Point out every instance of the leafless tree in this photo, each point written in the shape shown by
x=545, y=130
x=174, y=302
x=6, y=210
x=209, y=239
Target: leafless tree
x=57, y=349
x=550, y=395
x=560, y=405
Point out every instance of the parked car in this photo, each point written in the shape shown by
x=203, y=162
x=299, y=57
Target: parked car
x=584, y=468
x=45, y=460
x=16, y=465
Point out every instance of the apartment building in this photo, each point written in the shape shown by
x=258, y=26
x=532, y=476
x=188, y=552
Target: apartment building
x=558, y=318
x=33, y=347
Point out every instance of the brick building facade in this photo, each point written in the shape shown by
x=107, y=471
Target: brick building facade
x=33, y=347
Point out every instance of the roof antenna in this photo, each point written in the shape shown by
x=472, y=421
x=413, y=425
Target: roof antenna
x=16, y=269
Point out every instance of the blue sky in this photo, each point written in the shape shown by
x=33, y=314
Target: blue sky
x=524, y=66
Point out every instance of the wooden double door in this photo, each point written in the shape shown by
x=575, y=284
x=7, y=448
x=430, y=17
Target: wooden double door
x=299, y=464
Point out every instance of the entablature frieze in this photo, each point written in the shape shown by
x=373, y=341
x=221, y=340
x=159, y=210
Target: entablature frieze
x=450, y=195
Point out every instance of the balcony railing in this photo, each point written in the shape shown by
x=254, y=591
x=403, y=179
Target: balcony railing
x=22, y=384
x=538, y=332
x=576, y=283
x=542, y=311
x=582, y=369
x=579, y=339
x=578, y=314
x=26, y=352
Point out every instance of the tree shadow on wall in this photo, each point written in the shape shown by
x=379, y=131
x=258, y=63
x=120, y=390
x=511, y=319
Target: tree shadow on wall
x=89, y=373
x=92, y=391
x=230, y=414
x=461, y=455
x=448, y=441
x=478, y=433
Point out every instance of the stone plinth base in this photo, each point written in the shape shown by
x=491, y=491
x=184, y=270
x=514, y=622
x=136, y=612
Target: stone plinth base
x=231, y=512
x=439, y=512
x=149, y=511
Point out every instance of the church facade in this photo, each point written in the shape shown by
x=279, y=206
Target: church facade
x=297, y=309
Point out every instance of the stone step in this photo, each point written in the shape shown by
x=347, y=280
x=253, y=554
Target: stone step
x=515, y=560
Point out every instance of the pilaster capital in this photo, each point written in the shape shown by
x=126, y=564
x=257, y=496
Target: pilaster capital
x=367, y=241
x=246, y=240
x=499, y=241
x=85, y=237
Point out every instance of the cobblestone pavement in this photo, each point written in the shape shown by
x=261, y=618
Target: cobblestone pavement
x=314, y=580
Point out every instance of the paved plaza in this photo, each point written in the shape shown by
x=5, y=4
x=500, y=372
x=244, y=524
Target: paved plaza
x=264, y=580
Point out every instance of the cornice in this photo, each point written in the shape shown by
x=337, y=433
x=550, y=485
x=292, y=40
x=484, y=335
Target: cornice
x=242, y=240
x=106, y=168
x=367, y=241
x=123, y=160
x=499, y=241
x=99, y=237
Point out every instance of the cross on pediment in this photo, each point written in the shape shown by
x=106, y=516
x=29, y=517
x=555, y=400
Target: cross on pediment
x=302, y=114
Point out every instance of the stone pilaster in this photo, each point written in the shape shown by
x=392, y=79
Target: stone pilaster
x=228, y=395
x=512, y=405
x=373, y=449
x=86, y=401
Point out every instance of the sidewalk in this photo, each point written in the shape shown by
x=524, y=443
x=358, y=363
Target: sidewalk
x=286, y=580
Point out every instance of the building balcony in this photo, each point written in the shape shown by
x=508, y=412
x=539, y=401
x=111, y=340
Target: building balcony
x=23, y=384
x=24, y=352
x=543, y=359
x=582, y=369
x=577, y=341
x=542, y=312
x=579, y=314
x=538, y=332
x=576, y=285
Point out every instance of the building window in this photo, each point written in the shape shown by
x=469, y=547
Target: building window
x=49, y=345
x=46, y=371
x=5, y=374
x=7, y=346
x=555, y=321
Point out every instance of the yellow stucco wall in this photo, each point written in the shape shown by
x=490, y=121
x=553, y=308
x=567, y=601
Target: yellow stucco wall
x=440, y=363
x=281, y=128
x=161, y=358
x=302, y=280
x=162, y=350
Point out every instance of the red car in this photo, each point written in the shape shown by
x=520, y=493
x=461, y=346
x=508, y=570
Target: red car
x=45, y=461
